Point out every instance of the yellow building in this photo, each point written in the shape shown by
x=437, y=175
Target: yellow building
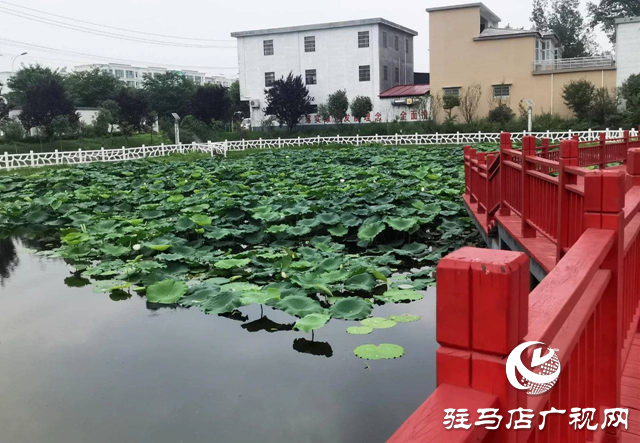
x=467, y=47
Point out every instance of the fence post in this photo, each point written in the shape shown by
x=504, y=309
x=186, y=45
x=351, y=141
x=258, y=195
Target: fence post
x=226, y=148
x=32, y=159
x=56, y=156
x=102, y=154
x=602, y=149
x=397, y=142
x=260, y=144
x=162, y=149
x=437, y=138
x=244, y=144
x=482, y=301
x=528, y=201
x=319, y=141
x=473, y=171
x=6, y=159
x=457, y=137
x=124, y=154
x=568, y=157
x=633, y=166
x=279, y=142
x=505, y=143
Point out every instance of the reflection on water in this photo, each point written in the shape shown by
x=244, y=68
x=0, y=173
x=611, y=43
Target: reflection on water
x=8, y=259
x=77, y=367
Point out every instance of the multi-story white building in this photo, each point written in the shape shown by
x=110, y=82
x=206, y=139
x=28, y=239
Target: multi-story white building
x=627, y=48
x=134, y=75
x=364, y=57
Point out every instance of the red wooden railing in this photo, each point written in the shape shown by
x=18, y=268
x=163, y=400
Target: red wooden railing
x=587, y=307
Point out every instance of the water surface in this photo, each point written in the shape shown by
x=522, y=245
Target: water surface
x=76, y=366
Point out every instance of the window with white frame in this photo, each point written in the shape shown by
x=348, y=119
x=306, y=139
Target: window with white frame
x=501, y=91
x=363, y=39
x=310, y=44
x=365, y=73
x=384, y=39
x=119, y=73
x=452, y=91
x=130, y=74
x=311, y=77
x=385, y=73
x=268, y=47
x=269, y=79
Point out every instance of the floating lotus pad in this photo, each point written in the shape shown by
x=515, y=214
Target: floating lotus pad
x=311, y=322
x=166, y=292
x=384, y=351
x=378, y=323
x=399, y=295
x=351, y=308
x=404, y=318
x=359, y=330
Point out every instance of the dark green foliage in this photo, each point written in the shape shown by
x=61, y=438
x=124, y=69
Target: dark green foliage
x=91, y=88
x=338, y=105
x=501, y=114
x=605, y=12
x=630, y=92
x=604, y=108
x=44, y=100
x=449, y=102
x=566, y=21
x=4, y=106
x=539, y=15
x=237, y=105
x=211, y=102
x=169, y=92
x=578, y=96
x=288, y=100
x=133, y=110
x=360, y=107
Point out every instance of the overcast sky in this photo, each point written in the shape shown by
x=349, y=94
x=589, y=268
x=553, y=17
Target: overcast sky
x=213, y=20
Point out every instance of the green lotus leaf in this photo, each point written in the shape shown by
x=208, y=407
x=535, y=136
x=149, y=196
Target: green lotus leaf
x=300, y=306
x=384, y=351
x=351, y=308
x=184, y=224
x=260, y=297
x=328, y=218
x=232, y=263
x=402, y=224
x=116, y=250
x=404, y=318
x=222, y=303
x=378, y=323
x=311, y=322
x=361, y=282
x=166, y=292
x=399, y=295
x=176, y=198
x=201, y=219
x=359, y=330
x=198, y=295
x=338, y=231
x=368, y=232
x=160, y=248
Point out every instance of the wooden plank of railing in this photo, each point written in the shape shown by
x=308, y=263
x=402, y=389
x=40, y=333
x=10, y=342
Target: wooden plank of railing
x=426, y=423
x=556, y=296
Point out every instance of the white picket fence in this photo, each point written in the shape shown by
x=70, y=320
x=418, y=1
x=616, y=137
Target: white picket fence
x=36, y=159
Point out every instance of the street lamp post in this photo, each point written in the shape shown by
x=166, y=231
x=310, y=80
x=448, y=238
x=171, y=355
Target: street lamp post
x=177, y=127
x=13, y=61
x=530, y=115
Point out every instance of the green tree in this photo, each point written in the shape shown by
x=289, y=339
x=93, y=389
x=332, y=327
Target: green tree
x=630, y=92
x=338, y=105
x=103, y=121
x=60, y=126
x=133, y=110
x=26, y=78
x=91, y=88
x=12, y=130
x=323, y=112
x=361, y=106
x=501, y=114
x=449, y=102
x=4, y=106
x=565, y=21
x=211, y=102
x=237, y=105
x=539, y=15
x=578, y=96
x=44, y=100
x=288, y=100
x=604, y=108
x=605, y=12
x=169, y=92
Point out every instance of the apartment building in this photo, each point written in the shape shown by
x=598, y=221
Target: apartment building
x=627, y=47
x=133, y=76
x=467, y=47
x=365, y=57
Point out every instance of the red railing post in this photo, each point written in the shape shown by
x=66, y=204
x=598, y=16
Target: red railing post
x=568, y=157
x=545, y=154
x=482, y=314
x=613, y=197
x=633, y=166
x=528, y=203
x=474, y=172
x=603, y=146
x=467, y=170
x=482, y=185
x=505, y=143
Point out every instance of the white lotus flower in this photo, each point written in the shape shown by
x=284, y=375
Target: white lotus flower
x=136, y=247
x=342, y=180
x=422, y=189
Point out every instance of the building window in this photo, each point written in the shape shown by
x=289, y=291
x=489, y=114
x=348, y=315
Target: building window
x=268, y=47
x=363, y=39
x=119, y=73
x=269, y=79
x=452, y=91
x=396, y=75
x=314, y=109
x=310, y=44
x=311, y=77
x=384, y=39
x=501, y=91
x=130, y=74
x=406, y=45
x=131, y=84
x=385, y=73
x=396, y=42
x=365, y=73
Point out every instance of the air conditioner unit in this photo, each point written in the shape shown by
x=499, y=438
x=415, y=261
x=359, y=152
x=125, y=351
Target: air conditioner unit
x=254, y=103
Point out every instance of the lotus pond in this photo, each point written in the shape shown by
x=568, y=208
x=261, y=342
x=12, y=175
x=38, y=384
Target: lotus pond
x=314, y=267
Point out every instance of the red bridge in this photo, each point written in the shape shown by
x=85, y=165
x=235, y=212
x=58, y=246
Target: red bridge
x=563, y=269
